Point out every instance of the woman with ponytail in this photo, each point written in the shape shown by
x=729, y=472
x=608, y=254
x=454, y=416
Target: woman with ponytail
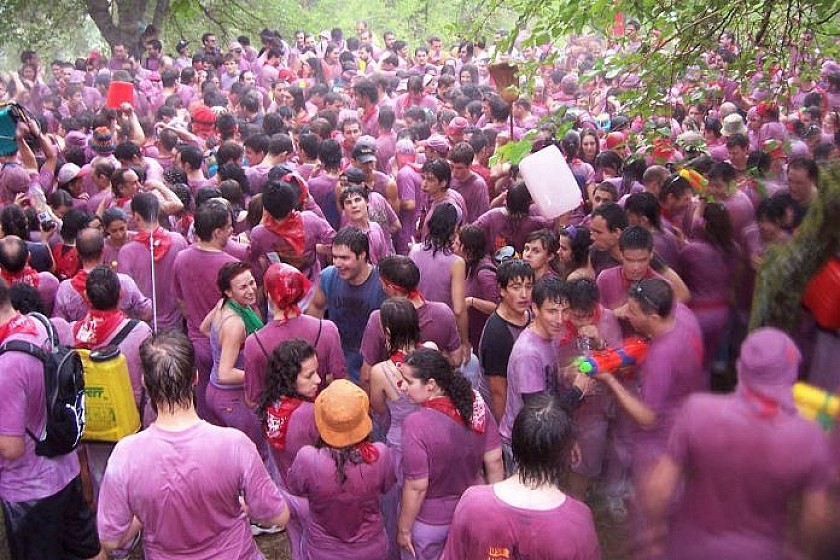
x=445, y=444
x=343, y=477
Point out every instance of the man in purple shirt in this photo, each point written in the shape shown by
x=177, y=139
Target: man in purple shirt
x=436, y=178
x=467, y=183
x=153, y=477
x=195, y=271
x=534, y=362
x=71, y=304
x=136, y=259
x=45, y=512
x=502, y=520
x=744, y=460
x=672, y=370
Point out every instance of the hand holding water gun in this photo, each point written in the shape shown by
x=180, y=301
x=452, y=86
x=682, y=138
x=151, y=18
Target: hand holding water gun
x=612, y=360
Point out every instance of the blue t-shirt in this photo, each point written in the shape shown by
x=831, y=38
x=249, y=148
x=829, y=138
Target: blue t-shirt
x=350, y=306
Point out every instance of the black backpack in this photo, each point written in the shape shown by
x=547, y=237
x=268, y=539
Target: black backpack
x=64, y=392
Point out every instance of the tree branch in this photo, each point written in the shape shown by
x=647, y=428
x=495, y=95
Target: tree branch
x=161, y=11
x=100, y=13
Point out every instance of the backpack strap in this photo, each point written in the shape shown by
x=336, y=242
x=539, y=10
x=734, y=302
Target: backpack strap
x=124, y=332
x=257, y=338
x=318, y=336
x=34, y=351
x=52, y=334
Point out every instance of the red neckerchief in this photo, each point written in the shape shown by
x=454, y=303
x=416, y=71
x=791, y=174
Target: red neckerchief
x=28, y=276
x=410, y=294
x=160, y=241
x=765, y=406
x=277, y=420
x=66, y=261
x=184, y=223
x=290, y=230
x=478, y=422
x=96, y=327
x=398, y=357
x=78, y=282
x=18, y=324
x=121, y=202
x=368, y=452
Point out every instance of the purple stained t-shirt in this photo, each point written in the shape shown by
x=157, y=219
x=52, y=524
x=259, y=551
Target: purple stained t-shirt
x=346, y=521
x=135, y=260
x=156, y=475
x=565, y=532
x=501, y=230
x=743, y=472
x=437, y=324
x=672, y=371
x=475, y=194
x=316, y=231
x=532, y=368
x=71, y=306
x=449, y=454
x=435, y=273
x=328, y=350
x=195, y=284
x=30, y=477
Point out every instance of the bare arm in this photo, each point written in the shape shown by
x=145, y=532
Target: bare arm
x=318, y=305
x=413, y=494
x=681, y=291
x=498, y=395
x=392, y=195
x=11, y=447
x=459, y=304
x=493, y=467
x=170, y=204
x=486, y=307
x=641, y=414
x=376, y=391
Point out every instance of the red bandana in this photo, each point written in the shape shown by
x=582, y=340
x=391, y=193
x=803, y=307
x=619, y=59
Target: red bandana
x=478, y=422
x=290, y=230
x=66, y=260
x=410, y=294
x=277, y=421
x=28, y=276
x=96, y=327
x=78, y=283
x=368, y=452
x=764, y=406
x=19, y=324
x=160, y=241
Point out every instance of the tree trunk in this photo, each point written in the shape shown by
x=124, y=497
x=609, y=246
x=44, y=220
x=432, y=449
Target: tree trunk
x=121, y=26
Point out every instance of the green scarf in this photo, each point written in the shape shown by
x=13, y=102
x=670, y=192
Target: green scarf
x=251, y=319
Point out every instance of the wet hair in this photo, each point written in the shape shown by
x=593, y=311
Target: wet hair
x=613, y=214
x=722, y=171
x=400, y=322
x=112, y=215
x=427, y=364
x=462, y=153
x=354, y=239
x=257, y=143
x=548, y=239
x=738, y=140
x=440, y=169
x=74, y=221
x=329, y=153
x=582, y=294
x=13, y=221
x=350, y=190
x=205, y=193
x=580, y=240
x=168, y=360
x=771, y=209
x=474, y=246
x=518, y=200
x=541, y=440
x=654, y=295
x=608, y=158
x=25, y=298
x=399, y=270
x=281, y=372
x=309, y=144
x=718, y=227
x=279, y=199
x=229, y=152
x=191, y=155
x=609, y=188
x=676, y=186
x=644, y=204
x=442, y=225
x=146, y=205
x=511, y=270
x=102, y=287
x=548, y=288
x=208, y=218
x=635, y=237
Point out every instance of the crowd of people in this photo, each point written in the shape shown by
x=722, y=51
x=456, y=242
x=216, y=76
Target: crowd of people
x=342, y=321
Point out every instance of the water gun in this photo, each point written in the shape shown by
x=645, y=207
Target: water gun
x=816, y=404
x=613, y=360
